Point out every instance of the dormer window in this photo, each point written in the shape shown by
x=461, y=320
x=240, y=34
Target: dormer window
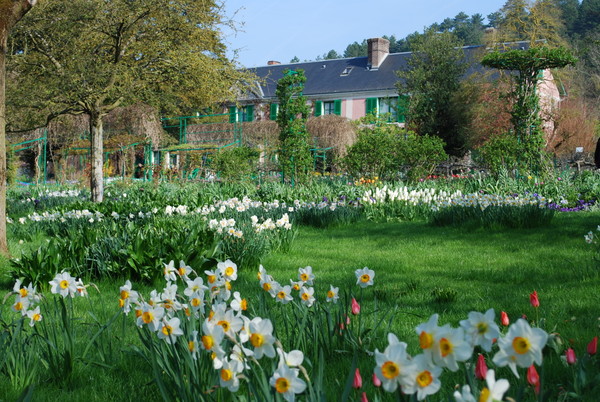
x=346, y=71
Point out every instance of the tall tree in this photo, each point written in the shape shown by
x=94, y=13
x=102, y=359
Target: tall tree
x=589, y=16
x=545, y=23
x=11, y=12
x=356, y=49
x=431, y=81
x=291, y=118
x=513, y=24
x=569, y=14
x=90, y=56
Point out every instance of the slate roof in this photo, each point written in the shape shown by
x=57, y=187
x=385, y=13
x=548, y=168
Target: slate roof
x=325, y=77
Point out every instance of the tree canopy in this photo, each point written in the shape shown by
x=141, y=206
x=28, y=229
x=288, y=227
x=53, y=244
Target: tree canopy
x=90, y=56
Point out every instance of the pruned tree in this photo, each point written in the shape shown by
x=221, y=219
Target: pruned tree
x=11, y=12
x=525, y=113
x=91, y=56
x=431, y=81
x=293, y=112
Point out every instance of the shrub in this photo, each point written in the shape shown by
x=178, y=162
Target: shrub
x=235, y=163
x=387, y=151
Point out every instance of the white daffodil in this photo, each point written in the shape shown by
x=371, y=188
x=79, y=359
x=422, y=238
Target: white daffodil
x=127, y=296
x=332, y=294
x=364, y=277
x=481, y=329
x=169, y=271
x=228, y=320
x=228, y=270
x=427, y=332
x=465, y=395
x=34, y=316
x=495, y=390
x=283, y=295
x=393, y=365
x=238, y=304
x=228, y=375
x=195, y=287
x=521, y=346
x=184, y=270
x=21, y=305
x=293, y=358
x=150, y=316
x=307, y=296
x=423, y=378
x=261, y=337
x=452, y=347
x=193, y=345
x=269, y=285
x=305, y=275
x=213, y=336
x=169, y=330
x=64, y=284
x=286, y=382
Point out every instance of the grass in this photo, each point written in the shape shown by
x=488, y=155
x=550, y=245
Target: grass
x=420, y=270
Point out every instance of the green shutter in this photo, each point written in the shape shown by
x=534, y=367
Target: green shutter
x=232, y=112
x=250, y=113
x=371, y=106
x=403, y=101
x=273, y=114
x=318, y=108
x=337, y=107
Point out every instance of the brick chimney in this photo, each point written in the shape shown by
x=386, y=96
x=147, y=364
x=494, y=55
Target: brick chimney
x=272, y=63
x=379, y=48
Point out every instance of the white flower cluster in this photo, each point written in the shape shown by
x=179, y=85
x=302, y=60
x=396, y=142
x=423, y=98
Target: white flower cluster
x=53, y=194
x=410, y=197
x=268, y=224
x=224, y=332
x=225, y=226
x=589, y=237
x=482, y=201
x=443, y=347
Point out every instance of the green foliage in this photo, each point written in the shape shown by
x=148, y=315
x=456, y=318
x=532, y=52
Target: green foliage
x=431, y=80
x=525, y=113
x=386, y=151
x=235, y=163
x=507, y=153
x=295, y=159
x=529, y=216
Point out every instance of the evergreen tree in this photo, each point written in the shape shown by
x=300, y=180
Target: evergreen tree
x=332, y=54
x=357, y=49
x=431, y=81
x=569, y=14
x=589, y=16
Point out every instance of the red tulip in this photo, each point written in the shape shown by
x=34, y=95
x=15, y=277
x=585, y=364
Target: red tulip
x=480, y=368
x=592, y=347
x=357, y=379
x=363, y=398
x=355, y=307
x=504, y=319
x=570, y=354
x=533, y=378
x=533, y=299
x=376, y=381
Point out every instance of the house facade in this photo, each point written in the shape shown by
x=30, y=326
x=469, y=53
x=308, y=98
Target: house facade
x=354, y=87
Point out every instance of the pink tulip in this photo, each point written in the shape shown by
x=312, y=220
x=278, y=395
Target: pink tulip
x=357, y=379
x=533, y=299
x=504, y=319
x=480, y=368
x=363, y=397
x=355, y=307
x=570, y=354
x=376, y=381
x=592, y=347
x=533, y=378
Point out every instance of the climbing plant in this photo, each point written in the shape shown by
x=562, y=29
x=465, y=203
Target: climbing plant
x=527, y=68
x=295, y=159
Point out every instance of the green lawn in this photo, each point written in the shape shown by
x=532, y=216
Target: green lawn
x=420, y=270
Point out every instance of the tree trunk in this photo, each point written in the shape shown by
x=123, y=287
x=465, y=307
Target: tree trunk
x=96, y=174
x=11, y=11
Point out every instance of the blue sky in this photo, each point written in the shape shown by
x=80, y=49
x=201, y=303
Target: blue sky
x=281, y=29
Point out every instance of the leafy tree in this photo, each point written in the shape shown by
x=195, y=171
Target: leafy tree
x=589, y=16
x=295, y=60
x=569, y=14
x=431, y=81
x=357, y=49
x=332, y=54
x=11, y=12
x=525, y=113
x=90, y=56
x=545, y=23
x=514, y=21
x=291, y=118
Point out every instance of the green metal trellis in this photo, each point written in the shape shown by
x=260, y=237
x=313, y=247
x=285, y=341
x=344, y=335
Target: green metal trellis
x=42, y=159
